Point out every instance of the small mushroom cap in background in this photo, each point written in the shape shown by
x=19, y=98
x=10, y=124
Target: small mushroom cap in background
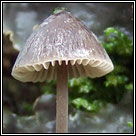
x=61, y=37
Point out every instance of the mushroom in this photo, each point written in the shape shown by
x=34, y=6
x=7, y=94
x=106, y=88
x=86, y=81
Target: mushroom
x=61, y=48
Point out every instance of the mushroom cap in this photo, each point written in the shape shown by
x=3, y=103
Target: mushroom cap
x=61, y=37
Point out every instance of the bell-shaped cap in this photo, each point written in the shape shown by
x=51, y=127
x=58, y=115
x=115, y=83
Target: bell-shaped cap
x=61, y=37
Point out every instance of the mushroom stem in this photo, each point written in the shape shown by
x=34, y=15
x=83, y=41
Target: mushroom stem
x=62, y=99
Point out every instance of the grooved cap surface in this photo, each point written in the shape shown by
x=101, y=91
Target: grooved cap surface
x=61, y=37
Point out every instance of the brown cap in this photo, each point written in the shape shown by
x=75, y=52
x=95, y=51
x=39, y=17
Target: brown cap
x=61, y=37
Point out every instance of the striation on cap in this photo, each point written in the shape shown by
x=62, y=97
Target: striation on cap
x=61, y=37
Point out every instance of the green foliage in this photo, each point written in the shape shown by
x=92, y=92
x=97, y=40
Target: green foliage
x=129, y=86
x=130, y=124
x=28, y=107
x=85, y=104
x=83, y=86
x=48, y=87
x=91, y=94
x=115, y=80
x=58, y=9
x=117, y=42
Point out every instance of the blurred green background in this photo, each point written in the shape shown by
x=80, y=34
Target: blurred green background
x=101, y=105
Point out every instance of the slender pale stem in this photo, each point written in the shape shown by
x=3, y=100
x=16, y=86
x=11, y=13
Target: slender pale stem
x=62, y=99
